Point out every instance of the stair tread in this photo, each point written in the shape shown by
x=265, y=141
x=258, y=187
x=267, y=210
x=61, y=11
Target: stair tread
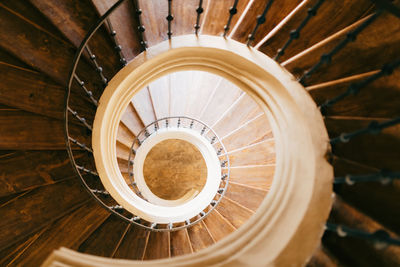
x=12, y=61
x=144, y=106
x=256, y=176
x=104, y=240
x=131, y=119
x=180, y=89
x=277, y=12
x=236, y=214
x=124, y=135
x=180, y=243
x=153, y=19
x=356, y=57
x=25, y=170
x=371, y=101
x=321, y=258
x=218, y=226
x=236, y=192
x=69, y=231
x=200, y=237
x=184, y=12
x=256, y=154
x=133, y=244
x=254, y=131
x=27, y=213
x=158, y=246
x=346, y=13
x=160, y=94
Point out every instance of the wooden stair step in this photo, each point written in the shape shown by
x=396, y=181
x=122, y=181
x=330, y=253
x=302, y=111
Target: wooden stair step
x=371, y=101
x=200, y=237
x=133, y=244
x=158, y=246
x=254, y=131
x=11, y=197
x=160, y=95
x=105, y=240
x=180, y=243
x=259, y=176
x=38, y=208
x=124, y=135
x=35, y=132
x=242, y=111
x=218, y=226
x=236, y=192
x=220, y=10
x=131, y=119
x=144, y=106
x=224, y=96
x=334, y=16
x=355, y=251
x=123, y=21
x=235, y=213
x=25, y=170
x=184, y=12
x=69, y=231
x=277, y=12
x=201, y=90
x=256, y=154
x=13, y=61
x=32, y=91
x=381, y=151
x=122, y=151
x=180, y=84
x=153, y=19
x=362, y=55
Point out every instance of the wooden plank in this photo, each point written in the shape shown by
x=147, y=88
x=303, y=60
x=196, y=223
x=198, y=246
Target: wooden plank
x=254, y=197
x=160, y=95
x=38, y=208
x=203, y=86
x=157, y=246
x=31, y=91
x=9, y=198
x=331, y=17
x=13, y=61
x=381, y=151
x=218, y=226
x=200, y=237
x=220, y=10
x=104, y=241
x=363, y=253
x=180, y=85
x=24, y=170
x=256, y=176
x=69, y=231
x=125, y=24
x=223, y=98
x=235, y=213
x=357, y=57
x=371, y=101
x=257, y=154
x=144, y=106
x=180, y=243
x=184, y=12
x=22, y=130
x=124, y=135
x=131, y=120
x=133, y=245
x=277, y=12
x=122, y=151
x=153, y=18
x=254, y=131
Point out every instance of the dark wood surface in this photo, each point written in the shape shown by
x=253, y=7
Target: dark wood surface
x=133, y=244
x=38, y=208
x=180, y=243
x=157, y=246
x=69, y=231
x=199, y=236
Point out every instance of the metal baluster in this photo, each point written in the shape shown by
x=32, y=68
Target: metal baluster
x=81, y=145
x=191, y=124
x=295, y=34
x=203, y=130
x=116, y=207
x=199, y=11
x=383, y=176
x=101, y=192
x=213, y=139
x=169, y=19
x=381, y=238
x=350, y=37
x=166, y=123
x=81, y=168
x=354, y=88
x=117, y=47
x=179, y=122
x=88, y=92
x=141, y=28
x=373, y=128
x=260, y=20
x=219, y=151
x=232, y=12
x=98, y=68
x=81, y=119
x=223, y=163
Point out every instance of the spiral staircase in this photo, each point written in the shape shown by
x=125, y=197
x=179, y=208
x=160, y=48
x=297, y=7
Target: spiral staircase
x=62, y=63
